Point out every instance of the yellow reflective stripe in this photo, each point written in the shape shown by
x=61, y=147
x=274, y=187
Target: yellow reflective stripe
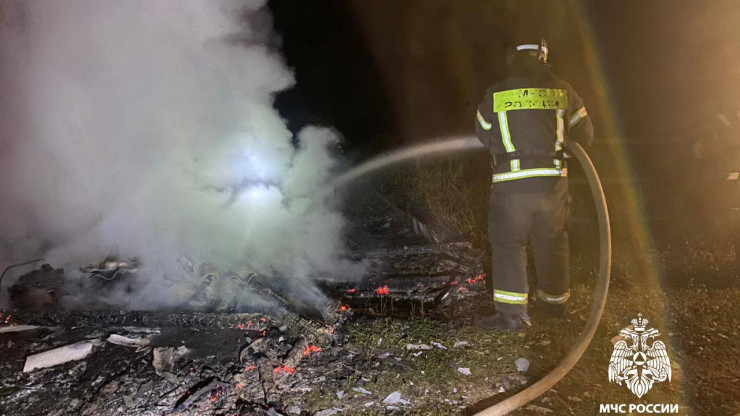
x=560, y=136
x=530, y=99
x=529, y=173
x=482, y=121
x=578, y=116
x=503, y=122
x=510, y=297
x=554, y=299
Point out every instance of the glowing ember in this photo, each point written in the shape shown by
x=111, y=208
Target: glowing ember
x=284, y=369
x=311, y=348
x=383, y=290
x=343, y=308
x=478, y=278
x=251, y=367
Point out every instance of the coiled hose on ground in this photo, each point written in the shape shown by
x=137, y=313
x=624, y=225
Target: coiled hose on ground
x=605, y=249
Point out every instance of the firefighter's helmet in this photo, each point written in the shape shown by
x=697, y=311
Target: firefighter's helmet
x=539, y=51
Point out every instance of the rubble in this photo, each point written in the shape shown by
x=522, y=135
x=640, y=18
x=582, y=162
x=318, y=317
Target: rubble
x=190, y=398
x=127, y=341
x=211, y=358
x=57, y=356
x=164, y=360
x=522, y=364
x=361, y=391
x=395, y=398
x=18, y=328
x=328, y=412
x=464, y=371
x=414, y=347
x=538, y=409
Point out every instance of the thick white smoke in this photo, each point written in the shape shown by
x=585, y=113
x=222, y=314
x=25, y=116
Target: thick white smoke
x=146, y=128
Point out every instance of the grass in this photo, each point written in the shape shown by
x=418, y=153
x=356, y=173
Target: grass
x=688, y=291
x=447, y=189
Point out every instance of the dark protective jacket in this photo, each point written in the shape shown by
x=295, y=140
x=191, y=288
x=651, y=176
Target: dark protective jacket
x=525, y=121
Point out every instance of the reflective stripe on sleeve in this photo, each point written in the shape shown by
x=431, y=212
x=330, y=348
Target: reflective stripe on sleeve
x=578, y=116
x=559, y=142
x=529, y=173
x=554, y=299
x=503, y=122
x=510, y=297
x=482, y=121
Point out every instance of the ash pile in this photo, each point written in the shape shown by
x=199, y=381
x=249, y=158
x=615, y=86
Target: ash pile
x=220, y=356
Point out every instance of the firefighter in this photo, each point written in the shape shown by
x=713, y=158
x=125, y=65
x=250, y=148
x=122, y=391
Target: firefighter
x=526, y=120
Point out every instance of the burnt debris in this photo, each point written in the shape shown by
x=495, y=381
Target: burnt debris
x=221, y=357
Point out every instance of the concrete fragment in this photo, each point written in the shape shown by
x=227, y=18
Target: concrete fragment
x=361, y=390
x=438, y=345
x=293, y=410
x=61, y=355
x=462, y=344
x=395, y=398
x=164, y=359
x=425, y=347
x=18, y=328
x=369, y=404
x=128, y=342
x=538, y=409
x=328, y=412
x=522, y=365
x=464, y=371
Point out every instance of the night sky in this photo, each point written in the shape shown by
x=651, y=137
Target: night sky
x=669, y=66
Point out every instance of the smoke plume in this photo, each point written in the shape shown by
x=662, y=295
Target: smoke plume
x=146, y=128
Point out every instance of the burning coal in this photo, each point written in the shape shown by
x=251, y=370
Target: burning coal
x=146, y=130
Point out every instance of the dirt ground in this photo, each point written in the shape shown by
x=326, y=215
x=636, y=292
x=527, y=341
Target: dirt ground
x=440, y=365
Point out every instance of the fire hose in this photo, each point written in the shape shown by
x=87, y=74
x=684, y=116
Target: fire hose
x=605, y=258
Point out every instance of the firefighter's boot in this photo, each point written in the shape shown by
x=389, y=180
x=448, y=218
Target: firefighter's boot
x=499, y=322
x=553, y=310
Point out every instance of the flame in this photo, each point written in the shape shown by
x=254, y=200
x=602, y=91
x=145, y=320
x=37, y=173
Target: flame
x=343, y=308
x=353, y=290
x=383, y=290
x=311, y=348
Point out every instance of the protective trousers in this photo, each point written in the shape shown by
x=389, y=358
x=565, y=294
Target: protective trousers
x=538, y=216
